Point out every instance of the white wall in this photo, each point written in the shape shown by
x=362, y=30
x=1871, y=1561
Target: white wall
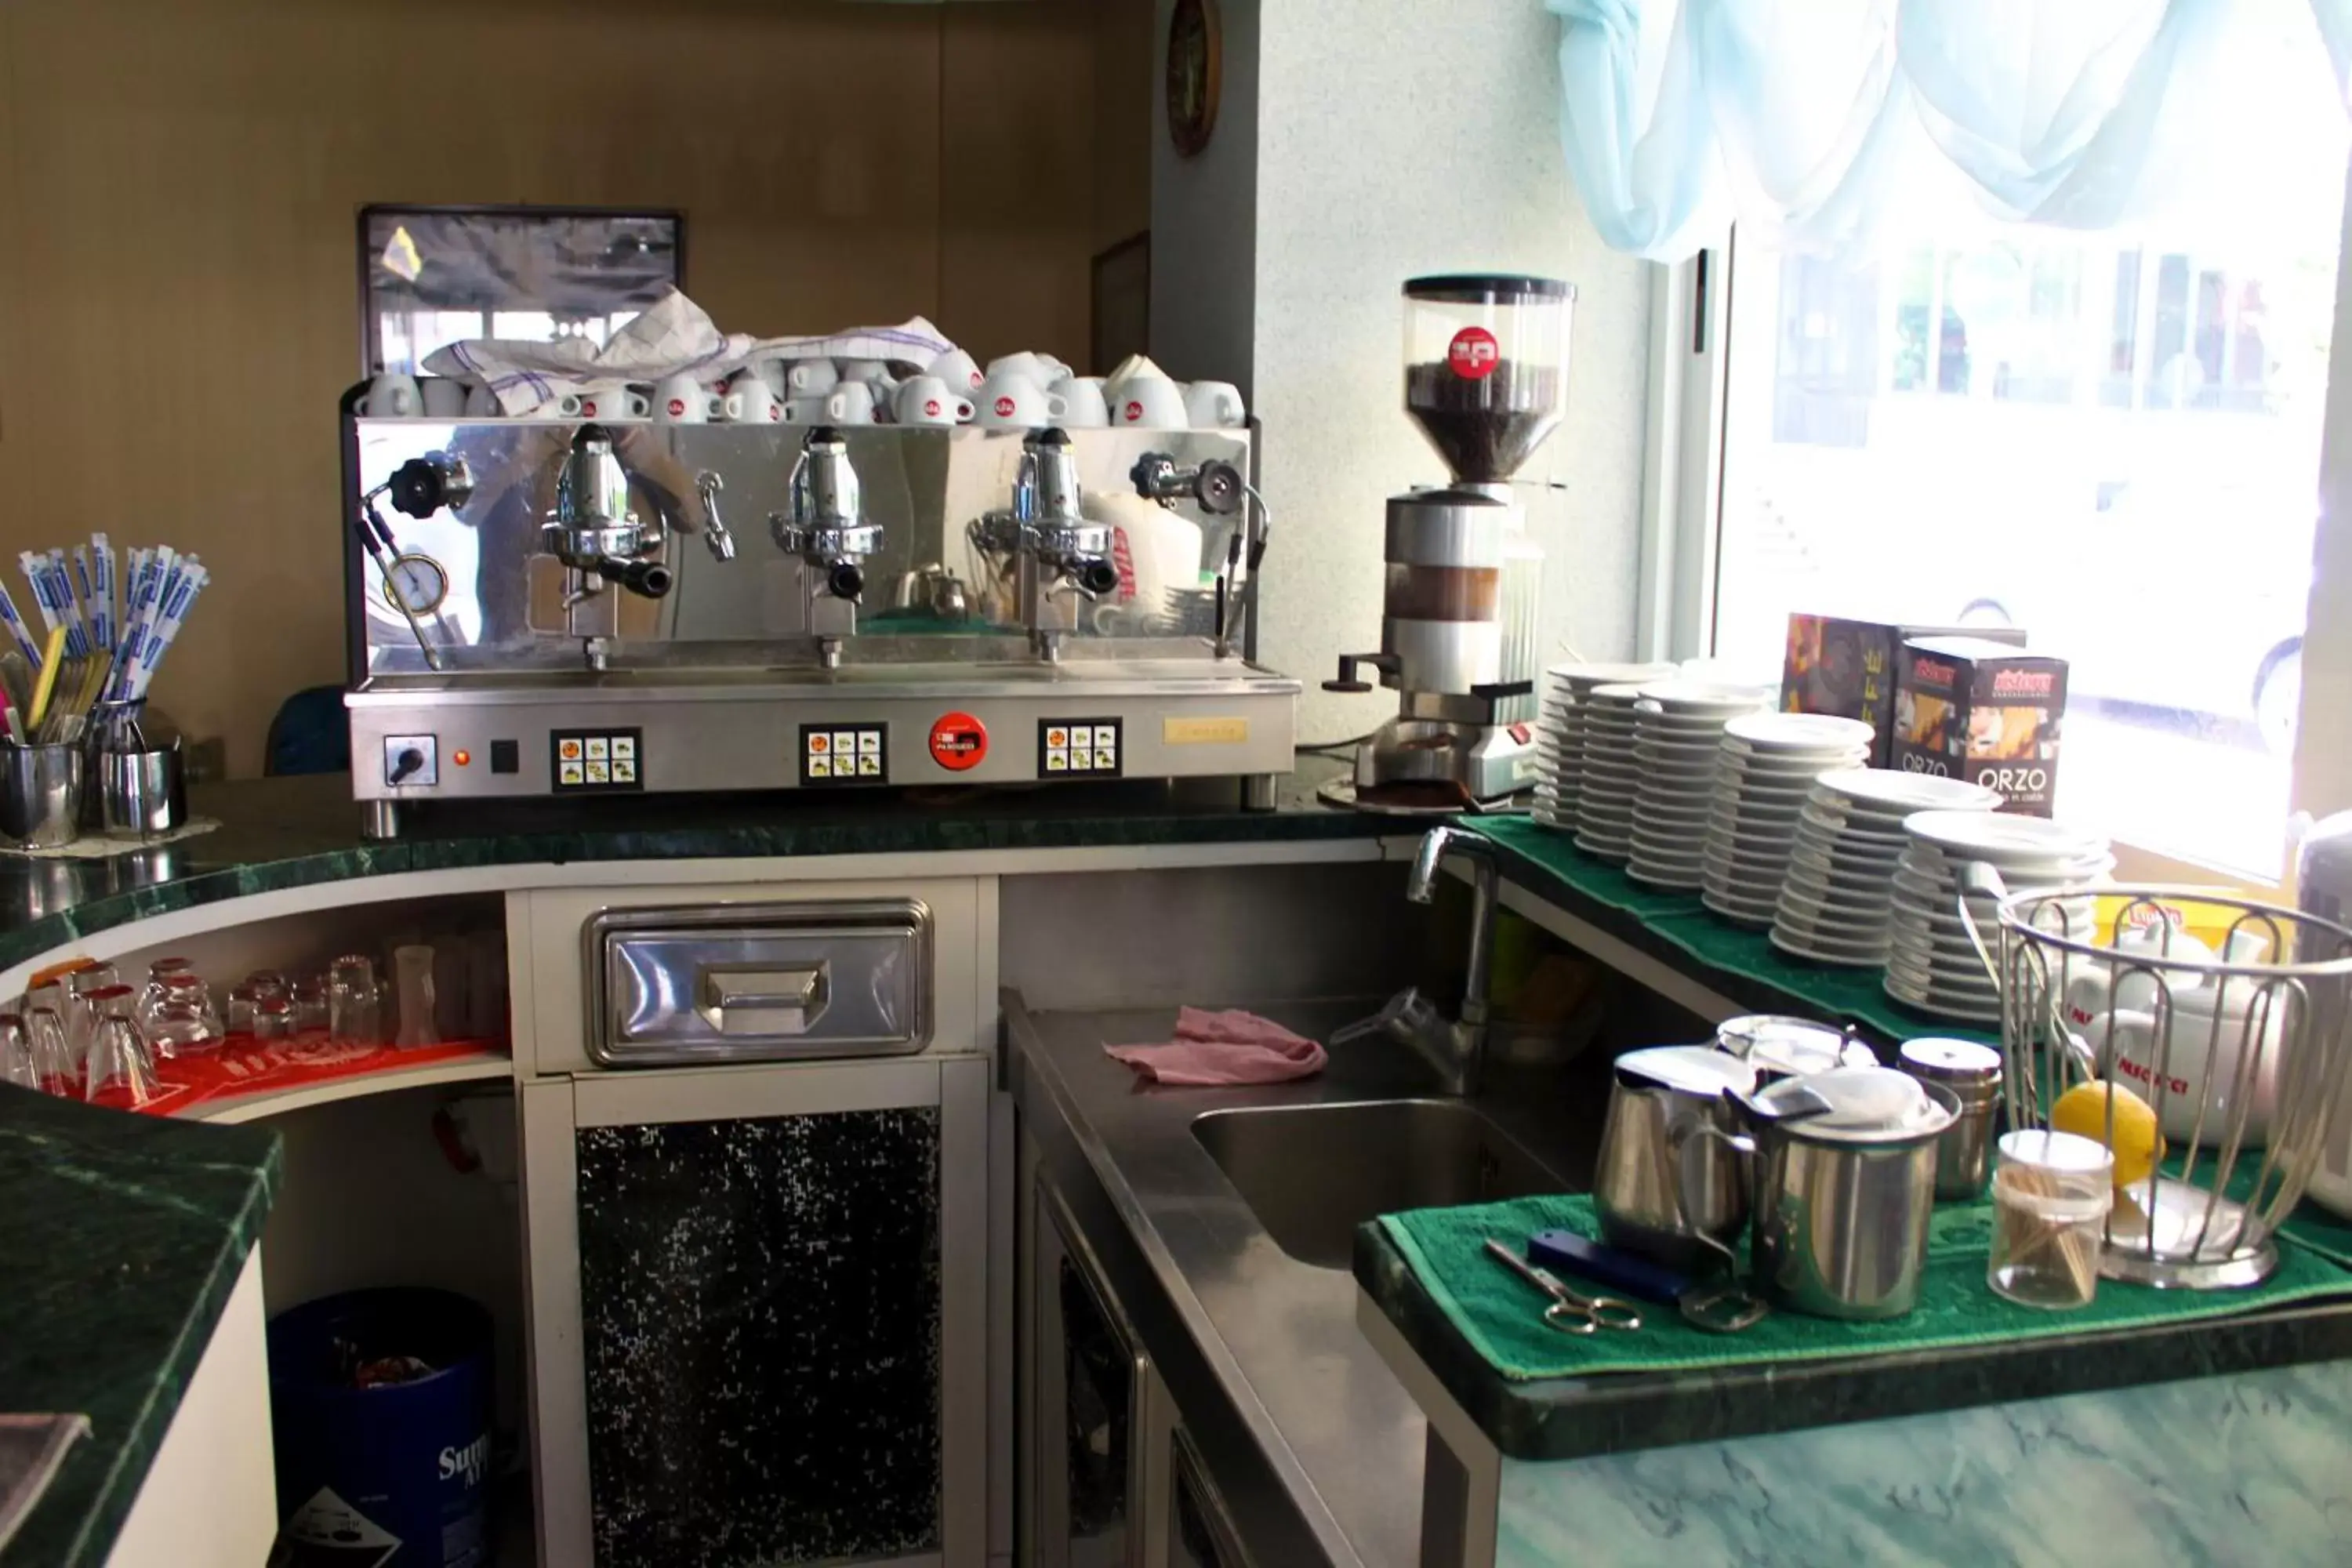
x=1427, y=144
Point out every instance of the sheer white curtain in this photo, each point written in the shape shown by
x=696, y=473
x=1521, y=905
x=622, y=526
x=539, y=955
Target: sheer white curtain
x=1818, y=121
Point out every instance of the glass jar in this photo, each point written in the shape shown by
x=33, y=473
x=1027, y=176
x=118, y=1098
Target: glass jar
x=2051, y=1195
x=1485, y=367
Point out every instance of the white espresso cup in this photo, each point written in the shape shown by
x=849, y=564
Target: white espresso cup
x=1055, y=370
x=682, y=400
x=481, y=402
x=1006, y=401
x=393, y=396
x=1150, y=401
x=926, y=400
x=804, y=376
x=444, y=396
x=1084, y=406
x=958, y=369
x=750, y=400
x=851, y=402
x=1025, y=364
x=1214, y=405
x=808, y=409
x=869, y=370
x=615, y=404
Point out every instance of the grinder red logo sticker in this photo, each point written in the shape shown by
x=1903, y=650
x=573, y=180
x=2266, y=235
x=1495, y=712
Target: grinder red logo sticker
x=1473, y=353
x=676, y=406
x=1004, y=408
x=959, y=742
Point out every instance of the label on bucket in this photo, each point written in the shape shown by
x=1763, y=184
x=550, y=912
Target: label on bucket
x=327, y=1529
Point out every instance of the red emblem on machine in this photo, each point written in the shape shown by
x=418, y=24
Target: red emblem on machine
x=959, y=742
x=1473, y=353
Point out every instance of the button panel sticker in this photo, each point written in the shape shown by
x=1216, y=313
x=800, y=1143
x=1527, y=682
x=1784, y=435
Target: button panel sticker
x=594, y=761
x=1079, y=748
x=845, y=754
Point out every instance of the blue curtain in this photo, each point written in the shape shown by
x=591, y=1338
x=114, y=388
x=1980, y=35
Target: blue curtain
x=1823, y=121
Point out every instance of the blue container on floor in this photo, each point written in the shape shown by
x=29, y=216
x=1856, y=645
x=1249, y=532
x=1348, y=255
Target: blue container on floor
x=394, y=1475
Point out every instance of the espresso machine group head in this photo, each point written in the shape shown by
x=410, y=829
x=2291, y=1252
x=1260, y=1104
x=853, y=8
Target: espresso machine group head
x=593, y=530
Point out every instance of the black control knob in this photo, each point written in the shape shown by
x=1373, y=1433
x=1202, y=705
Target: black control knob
x=1098, y=577
x=406, y=765
x=846, y=580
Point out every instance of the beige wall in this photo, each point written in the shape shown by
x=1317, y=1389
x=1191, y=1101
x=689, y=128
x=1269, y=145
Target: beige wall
x=179, y=180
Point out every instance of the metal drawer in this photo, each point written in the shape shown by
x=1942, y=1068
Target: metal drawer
x=758, y=983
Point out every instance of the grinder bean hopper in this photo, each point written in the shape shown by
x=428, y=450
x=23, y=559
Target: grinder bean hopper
x=1485, y=377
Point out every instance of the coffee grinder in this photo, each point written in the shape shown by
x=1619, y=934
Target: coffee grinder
x=1485, y=377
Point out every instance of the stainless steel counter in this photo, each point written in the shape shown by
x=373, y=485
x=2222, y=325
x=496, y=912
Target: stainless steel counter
x=1310, y=1437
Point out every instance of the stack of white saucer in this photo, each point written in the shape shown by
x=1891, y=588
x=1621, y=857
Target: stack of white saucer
x=1766, y=768
x=1836, y=894
x=1559, y=745
x=1678, y=729
x=1930, y=963
x=1607, y=778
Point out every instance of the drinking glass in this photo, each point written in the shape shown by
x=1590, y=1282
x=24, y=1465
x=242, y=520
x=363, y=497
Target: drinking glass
x=311, y=1005
x=120, y=1062
x=413, y=967
x=273, y=1018
x=81, y=1017
x=240, y=1010
x=355, y=1015
x=54, y=1066
x=181, y=1022
x=17, y=1053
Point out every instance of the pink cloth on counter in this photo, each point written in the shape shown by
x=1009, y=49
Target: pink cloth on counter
x=1229, y=1048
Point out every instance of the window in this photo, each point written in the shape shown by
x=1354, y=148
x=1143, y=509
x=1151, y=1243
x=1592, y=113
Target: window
x=2111, y=441
x=430, y=276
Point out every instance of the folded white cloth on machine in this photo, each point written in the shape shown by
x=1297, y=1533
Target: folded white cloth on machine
x=673, y=334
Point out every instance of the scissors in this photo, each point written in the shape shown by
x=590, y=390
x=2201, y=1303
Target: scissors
x=1569, y=1313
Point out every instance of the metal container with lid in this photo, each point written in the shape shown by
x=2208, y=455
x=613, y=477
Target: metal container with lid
x=1972, y=1072
x=1777, y=1045
x=1678, y=1207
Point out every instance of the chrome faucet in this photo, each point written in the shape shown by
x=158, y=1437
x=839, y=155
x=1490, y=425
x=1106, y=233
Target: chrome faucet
x=1456, y=1049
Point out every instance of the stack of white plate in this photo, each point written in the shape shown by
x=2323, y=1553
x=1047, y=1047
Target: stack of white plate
x=1559, y=743
x=1838, y=890
x=1678, y=735
x=1607, y=775
x=1768, y=766
x=1930, y=963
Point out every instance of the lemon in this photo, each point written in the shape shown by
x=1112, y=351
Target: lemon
x=2138, y=1145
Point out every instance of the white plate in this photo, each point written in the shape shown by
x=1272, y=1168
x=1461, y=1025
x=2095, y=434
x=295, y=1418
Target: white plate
x=1918, y=996
x=1862, y=829
x=1806, y=732
x=1892, y=790
x=1736, y=917
x=2002, y=838
x=1806, y=884
x=1738, y=902
x=1799, y=950
x=1652, y=874
x=1687, y=696
x=1738, y=753
x=1584, y=675
x=1601, y=850
x=1844, y=854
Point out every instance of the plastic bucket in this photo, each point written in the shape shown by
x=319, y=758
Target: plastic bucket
x=380, y=1404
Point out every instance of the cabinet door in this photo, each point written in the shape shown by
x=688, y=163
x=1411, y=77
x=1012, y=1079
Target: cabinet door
x=762, y=1294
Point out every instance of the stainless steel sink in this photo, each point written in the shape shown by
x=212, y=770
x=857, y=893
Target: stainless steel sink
x=1311, y=1173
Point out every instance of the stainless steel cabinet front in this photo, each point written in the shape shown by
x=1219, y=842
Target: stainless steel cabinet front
x=758, y=983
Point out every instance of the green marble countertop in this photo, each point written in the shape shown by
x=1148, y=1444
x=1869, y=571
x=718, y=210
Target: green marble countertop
x=120, y=1238
x=1571, y=1417
x=295, y=832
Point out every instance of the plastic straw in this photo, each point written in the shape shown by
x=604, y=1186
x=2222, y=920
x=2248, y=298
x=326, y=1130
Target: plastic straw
x=16, y=626
x=102, y=581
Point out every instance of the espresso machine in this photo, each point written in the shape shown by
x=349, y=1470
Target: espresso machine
x=1486, y=379
x=549, y=609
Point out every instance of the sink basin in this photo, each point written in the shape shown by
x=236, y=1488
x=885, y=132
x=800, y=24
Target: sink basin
x=1311, y=1173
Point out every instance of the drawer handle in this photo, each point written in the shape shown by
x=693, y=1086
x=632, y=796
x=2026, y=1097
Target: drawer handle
x=762, y=1001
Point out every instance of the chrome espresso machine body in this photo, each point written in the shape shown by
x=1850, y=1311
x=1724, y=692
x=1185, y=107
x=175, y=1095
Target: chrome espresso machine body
x=542, y=608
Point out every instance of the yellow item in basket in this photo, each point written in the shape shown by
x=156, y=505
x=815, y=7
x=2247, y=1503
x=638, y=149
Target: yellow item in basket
x=2137, y=1146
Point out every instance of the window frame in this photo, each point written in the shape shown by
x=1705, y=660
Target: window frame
x=1682, y=520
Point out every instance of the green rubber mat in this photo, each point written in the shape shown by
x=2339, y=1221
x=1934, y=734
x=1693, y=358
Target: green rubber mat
x=1682, y=920
x=1502, y=1316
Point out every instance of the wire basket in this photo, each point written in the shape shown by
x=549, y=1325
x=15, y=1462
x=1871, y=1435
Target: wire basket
x=2241, y=1057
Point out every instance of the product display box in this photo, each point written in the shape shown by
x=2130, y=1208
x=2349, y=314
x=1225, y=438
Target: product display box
x=1971, y=709
x=1846, y=668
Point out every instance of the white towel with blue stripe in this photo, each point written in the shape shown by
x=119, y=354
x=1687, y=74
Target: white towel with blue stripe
x=673, y=334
